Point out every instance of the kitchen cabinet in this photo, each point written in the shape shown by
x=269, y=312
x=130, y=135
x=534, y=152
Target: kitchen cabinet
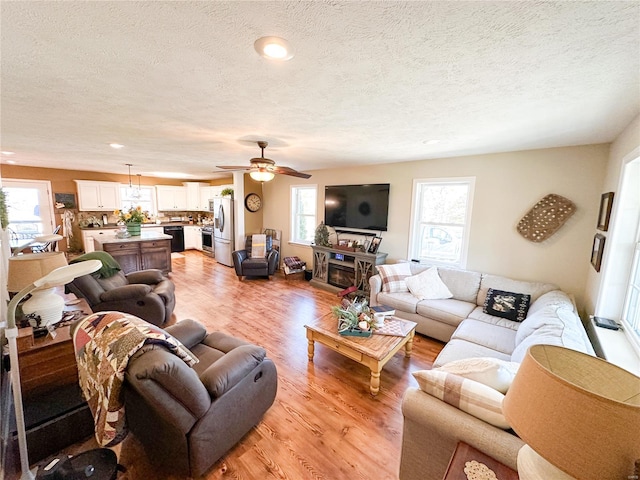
x=171, y=197
x=138, y=253
x=98, y=196
x=89, y=235
x=195, y=200
x=192, y=237
x=205, y=196
x=126, y=254
x=216, y=190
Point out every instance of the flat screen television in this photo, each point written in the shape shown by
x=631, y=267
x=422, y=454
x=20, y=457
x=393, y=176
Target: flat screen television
x=357, y=206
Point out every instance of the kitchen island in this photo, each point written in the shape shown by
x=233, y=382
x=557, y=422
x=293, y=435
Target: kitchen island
x=149, y=250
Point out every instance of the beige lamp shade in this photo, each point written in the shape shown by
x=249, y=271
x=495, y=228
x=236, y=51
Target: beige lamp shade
x=26, y=269
x=578, y=412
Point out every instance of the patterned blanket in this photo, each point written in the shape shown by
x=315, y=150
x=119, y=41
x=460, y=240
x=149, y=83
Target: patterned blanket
x=104, y=342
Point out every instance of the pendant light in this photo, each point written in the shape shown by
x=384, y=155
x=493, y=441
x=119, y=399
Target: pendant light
x=133, y=193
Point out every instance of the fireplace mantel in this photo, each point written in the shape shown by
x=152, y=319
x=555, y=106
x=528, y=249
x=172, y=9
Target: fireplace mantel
x=333, y=266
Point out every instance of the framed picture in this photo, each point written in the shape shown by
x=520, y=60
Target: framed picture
x=606, y=202
x=375, y=243
x=597, y=250
x=65, y=200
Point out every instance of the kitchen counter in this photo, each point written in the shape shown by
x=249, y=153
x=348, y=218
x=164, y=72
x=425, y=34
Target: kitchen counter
x=145, y=236
x=144, y=225
x=149, y=250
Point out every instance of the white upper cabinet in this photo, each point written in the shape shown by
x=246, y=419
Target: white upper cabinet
x=98, y=196
x=171, y=197
x=196, y=199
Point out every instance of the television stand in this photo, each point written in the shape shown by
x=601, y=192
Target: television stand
x=335, y=269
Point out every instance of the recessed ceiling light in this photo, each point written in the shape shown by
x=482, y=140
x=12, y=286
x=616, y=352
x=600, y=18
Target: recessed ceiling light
x=116, y=145
x=8, y=153
x=431, y=142
x=274, y=48
x=11, y=162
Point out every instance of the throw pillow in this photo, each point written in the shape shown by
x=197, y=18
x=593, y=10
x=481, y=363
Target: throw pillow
x=492, y=372
x=509, y=305
x=258, y=245
x=467, y=395
x=393, y=277
x=428, y=285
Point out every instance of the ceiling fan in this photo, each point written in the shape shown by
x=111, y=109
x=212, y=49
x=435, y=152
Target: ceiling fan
x=263, y=169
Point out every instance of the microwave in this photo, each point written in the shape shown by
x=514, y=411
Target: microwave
x=211, y=205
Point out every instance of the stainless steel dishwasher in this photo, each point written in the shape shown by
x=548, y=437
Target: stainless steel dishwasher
x=177, y=237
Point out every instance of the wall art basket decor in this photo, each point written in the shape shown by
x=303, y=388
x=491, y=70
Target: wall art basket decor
x=546, y=217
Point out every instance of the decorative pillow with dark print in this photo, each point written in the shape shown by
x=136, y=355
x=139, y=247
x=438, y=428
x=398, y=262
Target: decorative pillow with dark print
x=509, y=305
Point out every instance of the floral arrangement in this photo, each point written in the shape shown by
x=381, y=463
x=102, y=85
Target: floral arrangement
x=133, y=215
x=354, y=314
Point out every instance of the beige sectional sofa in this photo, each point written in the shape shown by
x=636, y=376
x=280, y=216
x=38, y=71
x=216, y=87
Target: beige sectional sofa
x=432, y=428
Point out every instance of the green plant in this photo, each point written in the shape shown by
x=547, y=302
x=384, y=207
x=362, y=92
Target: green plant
x=133, y=215
x=4, y=216
x=227, y=191
x=352, y=315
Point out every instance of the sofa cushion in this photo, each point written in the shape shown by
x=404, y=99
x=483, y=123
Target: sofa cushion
x=551, y=326
x=463, y=284
x=427, y=285
x=400, y=301
x=469, y=396
x=535, y=289
x=479, y=315
x=492, y=372
x=393, y=276
x=450, y=310
x=495, y=337
x=457, y=349
x=509, y=305
x=554, y=298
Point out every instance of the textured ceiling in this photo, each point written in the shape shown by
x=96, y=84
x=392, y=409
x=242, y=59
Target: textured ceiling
x=180, y=84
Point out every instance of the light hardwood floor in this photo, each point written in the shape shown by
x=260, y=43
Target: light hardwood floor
x=324, y=424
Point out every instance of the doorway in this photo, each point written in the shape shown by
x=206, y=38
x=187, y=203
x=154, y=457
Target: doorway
x=29, y=207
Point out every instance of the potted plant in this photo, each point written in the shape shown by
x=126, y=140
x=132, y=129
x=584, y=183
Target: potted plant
x=227, y=192
x=132, y=218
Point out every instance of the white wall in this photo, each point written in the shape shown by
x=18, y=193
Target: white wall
x=507, y=186
x=611, y=280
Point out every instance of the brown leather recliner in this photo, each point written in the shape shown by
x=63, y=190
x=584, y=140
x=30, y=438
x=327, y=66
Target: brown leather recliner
x=147, y=294
x=248, y=266
x=188, y=418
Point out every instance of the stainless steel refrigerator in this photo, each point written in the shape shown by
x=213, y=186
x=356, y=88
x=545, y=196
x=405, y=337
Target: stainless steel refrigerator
x=223, y=241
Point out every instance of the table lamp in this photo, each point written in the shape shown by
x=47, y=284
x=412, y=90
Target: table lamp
x=578, y=414
x=59, y=276
x=25, y=270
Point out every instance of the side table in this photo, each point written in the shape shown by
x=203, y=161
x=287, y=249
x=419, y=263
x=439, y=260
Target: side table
x=478, y=465
x=56, y=414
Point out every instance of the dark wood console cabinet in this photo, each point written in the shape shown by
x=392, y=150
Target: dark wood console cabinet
x=336, y=269
x=140, y=255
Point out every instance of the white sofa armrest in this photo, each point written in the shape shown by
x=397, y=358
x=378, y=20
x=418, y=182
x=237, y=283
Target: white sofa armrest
x=432, y=430
x=375, y=286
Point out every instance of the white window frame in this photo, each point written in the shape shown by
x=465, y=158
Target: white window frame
x=632, y=325
x=415, y=229
x=295, y=213
x=125, y=204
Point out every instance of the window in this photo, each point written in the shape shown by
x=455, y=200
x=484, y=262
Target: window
x=29, y=208
x=303, y=213
x=143, y=196
x=441, y=215
x=631, y=314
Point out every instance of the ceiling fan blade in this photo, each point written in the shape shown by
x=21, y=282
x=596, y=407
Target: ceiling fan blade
x=288, y=171
x=232, y=167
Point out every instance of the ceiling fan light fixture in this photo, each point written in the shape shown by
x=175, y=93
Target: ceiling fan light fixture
x=261, y=175
x=273, y=48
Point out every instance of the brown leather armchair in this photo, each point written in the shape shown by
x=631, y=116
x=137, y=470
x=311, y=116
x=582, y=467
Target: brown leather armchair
x=248, y=266
x=147, y=294
x=187, y=418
